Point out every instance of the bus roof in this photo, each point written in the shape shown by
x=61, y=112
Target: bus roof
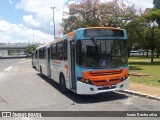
x=45, y=45
x=70, y=34
x=102, y=27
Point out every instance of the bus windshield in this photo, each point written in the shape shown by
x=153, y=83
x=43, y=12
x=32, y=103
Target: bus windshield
x=101, y=53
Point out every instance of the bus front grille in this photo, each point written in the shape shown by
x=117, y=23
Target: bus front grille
x=102, y=73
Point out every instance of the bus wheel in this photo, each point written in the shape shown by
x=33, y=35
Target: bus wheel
x=63, y=84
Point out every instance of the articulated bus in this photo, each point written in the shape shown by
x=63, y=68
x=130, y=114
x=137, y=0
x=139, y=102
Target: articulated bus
x=86, y=61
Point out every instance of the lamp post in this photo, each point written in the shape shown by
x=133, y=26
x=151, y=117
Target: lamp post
x=53, y=21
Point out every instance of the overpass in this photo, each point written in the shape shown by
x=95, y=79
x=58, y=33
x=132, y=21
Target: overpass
x=12, y=49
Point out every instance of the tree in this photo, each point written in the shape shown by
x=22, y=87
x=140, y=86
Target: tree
x=134, y=32
x=156, y=4
x=95, y=13
x=154, y=15
x=29, y=49
x=152, y=24
x=157, y=38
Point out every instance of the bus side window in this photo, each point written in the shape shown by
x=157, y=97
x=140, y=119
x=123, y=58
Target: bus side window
x=65, y=49
x=59, y=53
x=53, y=51
x=36, y=54
x=42, y=53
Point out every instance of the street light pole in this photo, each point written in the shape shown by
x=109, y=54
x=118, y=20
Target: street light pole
x=53, y=21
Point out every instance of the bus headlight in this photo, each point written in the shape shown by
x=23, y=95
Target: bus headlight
x=124, y=78
x=87, y=81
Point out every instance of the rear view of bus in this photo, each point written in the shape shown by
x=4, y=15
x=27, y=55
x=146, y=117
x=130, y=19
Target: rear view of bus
x=101, y=62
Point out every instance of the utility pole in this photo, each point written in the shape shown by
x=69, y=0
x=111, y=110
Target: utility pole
x=33, y=37
x=53, y=21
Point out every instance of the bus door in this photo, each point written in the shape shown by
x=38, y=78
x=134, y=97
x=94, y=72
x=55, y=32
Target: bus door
x=36, y=55
x=32, y=59
x=72, y=65
x=38, y=60
x=48, y=63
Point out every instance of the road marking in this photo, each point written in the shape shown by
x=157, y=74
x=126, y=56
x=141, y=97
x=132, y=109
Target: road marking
x=7, y=69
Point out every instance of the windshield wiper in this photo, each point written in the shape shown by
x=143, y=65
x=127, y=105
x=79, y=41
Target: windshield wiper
x=94, y=41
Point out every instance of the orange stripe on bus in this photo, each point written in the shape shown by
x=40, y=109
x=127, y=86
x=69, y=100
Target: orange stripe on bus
x=66, y=67
x=56, y=62
x=104, y=77
x=70, y=34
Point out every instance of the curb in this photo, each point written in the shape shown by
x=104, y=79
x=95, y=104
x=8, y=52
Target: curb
x=140, y=94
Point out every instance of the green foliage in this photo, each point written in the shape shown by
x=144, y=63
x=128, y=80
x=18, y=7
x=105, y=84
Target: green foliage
x=29, y=49
x=152, y=32
x=154, y=15
x=135, y=32
x=157, y=38
x=142, y=65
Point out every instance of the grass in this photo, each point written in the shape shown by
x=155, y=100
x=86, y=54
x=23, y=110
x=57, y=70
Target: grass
x=142, y=65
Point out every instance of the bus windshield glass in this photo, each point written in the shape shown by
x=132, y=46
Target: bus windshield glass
x=101, y=53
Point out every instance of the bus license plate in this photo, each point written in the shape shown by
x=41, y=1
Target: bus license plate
x=107, y=86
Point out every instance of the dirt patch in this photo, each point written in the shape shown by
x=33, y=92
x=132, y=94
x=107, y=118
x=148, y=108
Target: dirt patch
x=151, y=90
x=138, y=74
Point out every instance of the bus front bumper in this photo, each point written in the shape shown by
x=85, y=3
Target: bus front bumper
x=87, y=89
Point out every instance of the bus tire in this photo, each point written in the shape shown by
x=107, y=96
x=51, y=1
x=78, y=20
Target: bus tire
x=63, y=84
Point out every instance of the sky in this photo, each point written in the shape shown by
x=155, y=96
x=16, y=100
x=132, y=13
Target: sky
x=32, y=20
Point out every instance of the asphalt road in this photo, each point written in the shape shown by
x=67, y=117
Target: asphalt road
x=22, y=89
x=5, y=63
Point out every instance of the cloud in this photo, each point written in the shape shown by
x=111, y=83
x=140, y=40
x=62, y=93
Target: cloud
x=31, y=20
x=20, y=33
x=39, y=17
x=139, y=3
x=10, y=2
x=41, y=14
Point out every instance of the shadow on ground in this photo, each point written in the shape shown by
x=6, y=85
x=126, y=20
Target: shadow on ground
x=83, y=99
x=145, y=63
